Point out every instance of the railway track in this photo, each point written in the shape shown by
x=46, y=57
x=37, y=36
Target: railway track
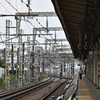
x=57, y=91
x=14, y=95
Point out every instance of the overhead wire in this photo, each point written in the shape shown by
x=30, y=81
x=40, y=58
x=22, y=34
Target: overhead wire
x=11, y=5
x=4, y=8
x=23, y=2
x=13, y=8
x=9, y=39
x=42, y=26
x=1, y=39
x=38, y=23
x=21, y=14
x=7, y=11
x=37, y=20
x=22, y=5
x=26, y=19
x=1, y=36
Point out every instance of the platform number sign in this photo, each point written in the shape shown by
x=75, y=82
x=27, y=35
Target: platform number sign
x=98, y=65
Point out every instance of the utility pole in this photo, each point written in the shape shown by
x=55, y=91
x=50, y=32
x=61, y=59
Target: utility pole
x=23, y=62
x=28, y=60
x=20, y=59
x=17, y=62
x=23, y=57
x=12, y=60
x=67, y=68
x=7, y=73
x=61, y=70
x=18, y=32
x=39, y=65
x=4, y=60
x=33, y=62
x=64, y=67
x=4, y=56
x=47, y=24
x=73, y=67
x=43, y=66
x=45, y=45
x=70, y=69
x=34, y=38
x=28, y=5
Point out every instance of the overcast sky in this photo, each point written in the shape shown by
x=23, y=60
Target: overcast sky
x=36, y=6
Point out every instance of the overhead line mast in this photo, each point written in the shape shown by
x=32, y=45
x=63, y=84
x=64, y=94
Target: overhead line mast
x=19, y=34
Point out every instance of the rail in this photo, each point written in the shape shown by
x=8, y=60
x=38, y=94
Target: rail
x=72, y=86
x=13, y=94
x=46, y=96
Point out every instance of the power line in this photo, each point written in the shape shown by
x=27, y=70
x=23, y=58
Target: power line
x=42, y=26
x=1, y=38
x=23, y=2
x=25, y=18
x=19, y=13
x=4, y=8
x=12, y=5
x=7, y=11
x=37, y=19
x=9, y=39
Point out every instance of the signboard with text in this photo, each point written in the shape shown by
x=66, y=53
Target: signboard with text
x=96, y=52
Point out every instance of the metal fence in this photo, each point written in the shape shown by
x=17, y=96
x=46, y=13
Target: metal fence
x=13, y=84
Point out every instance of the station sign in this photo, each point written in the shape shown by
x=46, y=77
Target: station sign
x=96, y=52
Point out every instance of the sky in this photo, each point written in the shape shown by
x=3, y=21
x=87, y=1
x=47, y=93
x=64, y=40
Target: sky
x=36, y=6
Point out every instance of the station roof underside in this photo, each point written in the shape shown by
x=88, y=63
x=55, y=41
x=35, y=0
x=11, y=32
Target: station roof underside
x=76, y=15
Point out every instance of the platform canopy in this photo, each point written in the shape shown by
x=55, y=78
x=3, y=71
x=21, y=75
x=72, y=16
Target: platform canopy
x=79, y=16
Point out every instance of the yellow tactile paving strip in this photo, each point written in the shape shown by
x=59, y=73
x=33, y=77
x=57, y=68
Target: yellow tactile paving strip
x=86, y=94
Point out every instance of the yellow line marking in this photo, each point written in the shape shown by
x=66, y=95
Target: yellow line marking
x=86, y=94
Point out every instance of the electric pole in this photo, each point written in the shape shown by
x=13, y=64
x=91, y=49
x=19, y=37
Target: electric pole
x=12, y=60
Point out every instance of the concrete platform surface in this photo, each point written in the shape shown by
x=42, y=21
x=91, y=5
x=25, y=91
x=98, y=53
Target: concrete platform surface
x=87, y=91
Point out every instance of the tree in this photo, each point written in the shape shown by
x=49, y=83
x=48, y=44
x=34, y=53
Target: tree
x=2, y=63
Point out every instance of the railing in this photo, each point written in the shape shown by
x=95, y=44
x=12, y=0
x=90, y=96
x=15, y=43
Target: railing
x=73, y=95
x=73, y=83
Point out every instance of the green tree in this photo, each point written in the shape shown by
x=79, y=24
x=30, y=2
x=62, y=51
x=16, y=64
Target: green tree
x=1, y=81
x=2, y=63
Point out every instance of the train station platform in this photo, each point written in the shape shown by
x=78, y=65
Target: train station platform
x=87, y=91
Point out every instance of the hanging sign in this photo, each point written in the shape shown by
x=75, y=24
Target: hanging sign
x=96, y=52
